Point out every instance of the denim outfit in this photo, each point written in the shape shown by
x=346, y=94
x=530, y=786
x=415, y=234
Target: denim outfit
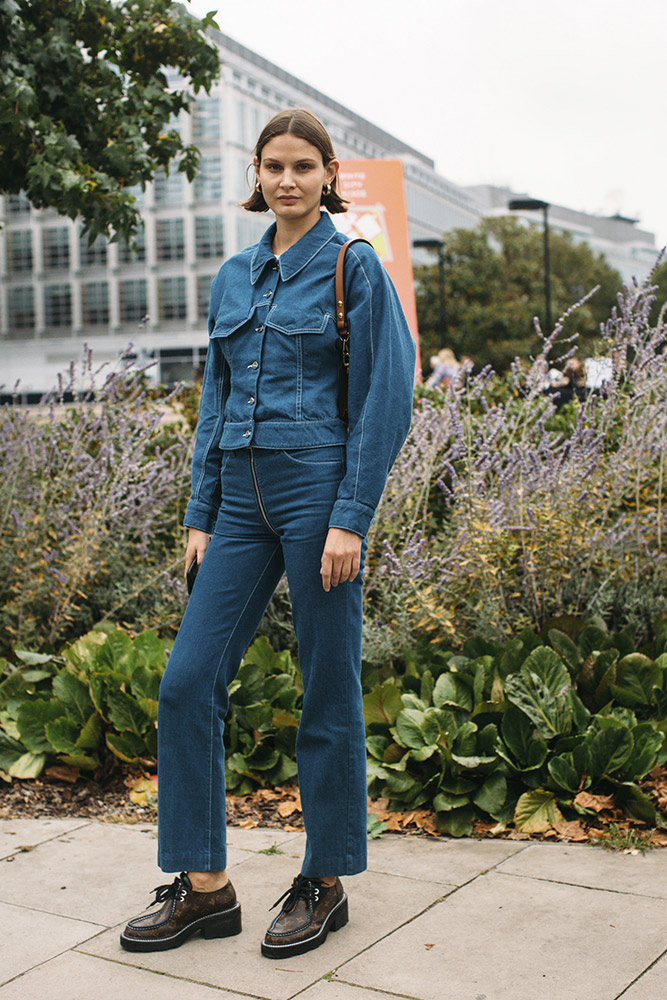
x=274, y=468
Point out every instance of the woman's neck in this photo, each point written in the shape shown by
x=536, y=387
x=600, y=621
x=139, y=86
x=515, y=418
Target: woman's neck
x=288, y=233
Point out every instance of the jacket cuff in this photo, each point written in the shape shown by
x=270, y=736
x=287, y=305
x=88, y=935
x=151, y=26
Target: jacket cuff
x=198, y=515
x=352, y=516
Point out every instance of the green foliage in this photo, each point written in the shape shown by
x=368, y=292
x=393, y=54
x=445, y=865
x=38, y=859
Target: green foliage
x=494, y=288
x=515, y=732
x=86, y=111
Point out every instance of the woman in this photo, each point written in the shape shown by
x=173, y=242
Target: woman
x=280, y=483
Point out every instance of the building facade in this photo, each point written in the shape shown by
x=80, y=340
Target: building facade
x=59, y=294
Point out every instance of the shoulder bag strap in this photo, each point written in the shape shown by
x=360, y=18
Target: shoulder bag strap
x=342, y=326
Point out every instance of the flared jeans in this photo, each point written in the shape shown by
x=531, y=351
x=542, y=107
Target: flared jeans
x=273, y=518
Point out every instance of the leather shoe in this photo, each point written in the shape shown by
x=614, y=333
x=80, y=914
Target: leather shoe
x=184, y=912
x=310, y=910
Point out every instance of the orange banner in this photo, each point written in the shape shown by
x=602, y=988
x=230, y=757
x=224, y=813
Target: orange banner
x=376, y=192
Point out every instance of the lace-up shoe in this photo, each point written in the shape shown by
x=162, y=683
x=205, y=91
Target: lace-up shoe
x=310, y=910
x=184, y=912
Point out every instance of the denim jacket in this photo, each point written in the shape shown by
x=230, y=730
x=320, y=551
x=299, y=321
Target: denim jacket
x=273, y=366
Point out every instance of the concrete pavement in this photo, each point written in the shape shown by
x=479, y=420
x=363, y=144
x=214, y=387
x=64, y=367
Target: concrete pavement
x=430, y=919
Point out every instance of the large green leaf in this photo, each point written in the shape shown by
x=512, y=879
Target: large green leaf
x=33, y=659
x=491, y=796
x=536, y=811
x=647, y=743
x=541, y=690
x=377, y=745
x=635, y=802
x=527, y=751
x=251, y=690
x=451, y=690
x=383, y=704
x=84, y=652
x=610, y=748
x=457, y=823
x=31, y=720
x=149, y=650
x=636, y=677
x=74, y=695
x=62, y=734
x=10, y=751
x=29, y=765
x=117, y=653
x=90, y=734
x=145, y=683
x=567, y=650
x=126, y=714
x=127, y=747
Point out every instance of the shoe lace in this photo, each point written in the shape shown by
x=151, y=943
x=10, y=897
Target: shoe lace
x=164, y=892
x=304, y=888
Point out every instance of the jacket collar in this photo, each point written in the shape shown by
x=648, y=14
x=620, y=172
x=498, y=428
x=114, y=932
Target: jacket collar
x=296, y=258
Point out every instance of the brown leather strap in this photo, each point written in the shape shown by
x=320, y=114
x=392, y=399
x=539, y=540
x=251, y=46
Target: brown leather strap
x=342, y=326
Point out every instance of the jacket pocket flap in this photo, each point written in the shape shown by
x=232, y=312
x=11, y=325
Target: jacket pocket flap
x=286, y=322
x=229, y=323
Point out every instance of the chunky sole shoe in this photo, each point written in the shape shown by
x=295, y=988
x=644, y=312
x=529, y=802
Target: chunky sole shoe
x=335, y=919
x=215, y=925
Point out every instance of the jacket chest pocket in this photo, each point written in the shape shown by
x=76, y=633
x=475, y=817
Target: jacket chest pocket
x=294, y=323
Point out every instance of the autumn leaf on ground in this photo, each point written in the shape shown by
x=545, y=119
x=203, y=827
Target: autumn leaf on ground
x=596, y=802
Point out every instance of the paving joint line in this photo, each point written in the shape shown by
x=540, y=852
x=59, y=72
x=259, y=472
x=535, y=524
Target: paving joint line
x=578, y=885
x=377, y=989
x=33, y=847
x=641, y=975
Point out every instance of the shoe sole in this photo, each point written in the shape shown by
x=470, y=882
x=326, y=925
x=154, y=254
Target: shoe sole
x=336, y=919
x=216, y=925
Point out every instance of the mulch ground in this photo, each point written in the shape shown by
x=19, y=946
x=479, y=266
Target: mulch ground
x=130, y=797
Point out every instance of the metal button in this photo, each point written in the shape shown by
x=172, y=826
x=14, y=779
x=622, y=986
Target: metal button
x=251, y=400
x=253, y=364
x=267, y=295
x=258, y=329
x=246, y=434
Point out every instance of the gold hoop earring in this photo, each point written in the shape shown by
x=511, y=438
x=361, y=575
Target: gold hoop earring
x=258, y=187
x=326, y=190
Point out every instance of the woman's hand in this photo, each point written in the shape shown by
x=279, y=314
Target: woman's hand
x=197, y=545
x=341, y=557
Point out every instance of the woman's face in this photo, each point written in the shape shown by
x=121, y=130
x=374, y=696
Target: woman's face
x=292, y=176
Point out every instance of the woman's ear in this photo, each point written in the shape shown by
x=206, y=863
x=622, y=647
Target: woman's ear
x=332, y=169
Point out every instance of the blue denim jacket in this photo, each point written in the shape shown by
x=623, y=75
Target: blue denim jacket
x=273, y=366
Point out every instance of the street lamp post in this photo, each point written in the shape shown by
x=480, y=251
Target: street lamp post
x=439, y=247
x=535, y=203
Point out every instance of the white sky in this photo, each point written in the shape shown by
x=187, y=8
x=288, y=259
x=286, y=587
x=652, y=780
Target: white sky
x=565, y=99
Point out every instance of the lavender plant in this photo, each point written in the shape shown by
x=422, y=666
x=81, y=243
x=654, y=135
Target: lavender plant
x=91, y=500
x=498, y=515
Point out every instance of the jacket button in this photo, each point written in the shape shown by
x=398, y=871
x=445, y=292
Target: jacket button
x=246, y=434
x=253, y=364
x=251, y=400
x=267, y=295
x=258, y=329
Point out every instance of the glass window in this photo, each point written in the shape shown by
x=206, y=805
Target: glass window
x=208, y=182
x=95, y=303
x=133, y=301
x=126, y=255
x=170, y=239
x=172, y=298
x=94, y=255
x=21, y=308
x=56, y=247
x=168, y=188
x=57, y=305
x=208, y=237
x=19, y=250
x=206, y=120
x=18, y=204
x=203, y=294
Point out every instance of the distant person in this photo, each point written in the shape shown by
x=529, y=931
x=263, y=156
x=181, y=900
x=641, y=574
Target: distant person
x=445, y=368
x=283, y=480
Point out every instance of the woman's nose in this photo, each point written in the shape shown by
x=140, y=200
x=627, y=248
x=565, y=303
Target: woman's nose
x=287, y=180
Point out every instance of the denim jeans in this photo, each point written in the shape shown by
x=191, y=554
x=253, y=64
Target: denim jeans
x=273, y=517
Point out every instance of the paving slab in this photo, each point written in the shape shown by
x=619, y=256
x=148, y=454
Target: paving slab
x=29, y=937
x=331, y=989
x=80, y=977
x=504, y=936
x=101, y=872
x=261, y=839
x=378, y=904
x=578, y=864
x=17, y=833
x=651, y=985
x=448, y=861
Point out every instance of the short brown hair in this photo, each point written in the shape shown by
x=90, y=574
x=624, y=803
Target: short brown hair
x=304, y=125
